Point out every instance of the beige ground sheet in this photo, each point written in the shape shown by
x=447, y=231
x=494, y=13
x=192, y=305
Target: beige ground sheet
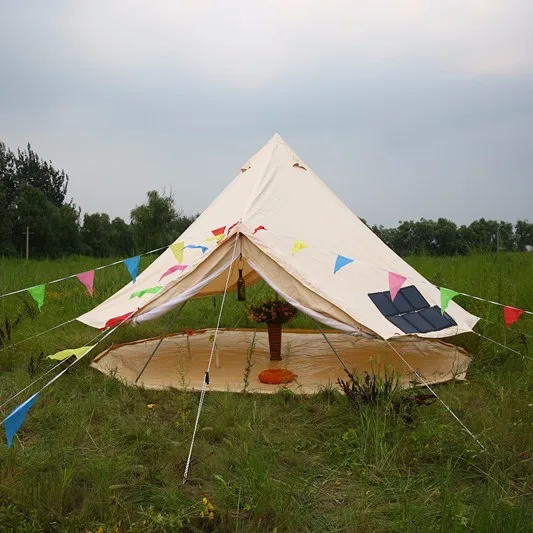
x=306, y=353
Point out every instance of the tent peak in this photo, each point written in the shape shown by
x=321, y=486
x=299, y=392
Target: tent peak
x=276, y=138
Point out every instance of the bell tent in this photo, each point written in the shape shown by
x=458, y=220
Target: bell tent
x=278, y=222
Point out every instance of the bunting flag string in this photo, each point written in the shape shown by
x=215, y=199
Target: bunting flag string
x=87, y=279
x=377, y=267
x=58, y=280
x=511, y=314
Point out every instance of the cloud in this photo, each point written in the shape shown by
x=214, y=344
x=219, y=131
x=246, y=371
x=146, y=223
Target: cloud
x=128, y=96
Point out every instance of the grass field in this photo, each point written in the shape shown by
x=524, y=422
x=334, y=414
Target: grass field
x=93, y=457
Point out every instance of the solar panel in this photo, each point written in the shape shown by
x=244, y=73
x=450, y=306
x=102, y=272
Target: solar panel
x=410, y=312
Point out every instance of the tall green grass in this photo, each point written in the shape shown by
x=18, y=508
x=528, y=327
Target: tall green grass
x=93, y=455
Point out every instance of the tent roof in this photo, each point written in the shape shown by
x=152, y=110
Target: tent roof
x=278, y=191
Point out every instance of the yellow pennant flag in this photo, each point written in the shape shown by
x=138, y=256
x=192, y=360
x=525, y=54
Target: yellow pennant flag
x=177, y=250
x=63, y=354
x=298, y=245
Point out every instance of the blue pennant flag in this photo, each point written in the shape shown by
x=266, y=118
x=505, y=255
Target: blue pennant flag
x=16, y=418
x=341, y=262
x=132, y=264
x=203, y=248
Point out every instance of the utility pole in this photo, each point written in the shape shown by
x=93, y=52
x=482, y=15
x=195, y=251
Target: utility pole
x=27, y=233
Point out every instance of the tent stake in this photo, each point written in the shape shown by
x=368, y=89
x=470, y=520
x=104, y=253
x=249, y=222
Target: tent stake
x=160, y=341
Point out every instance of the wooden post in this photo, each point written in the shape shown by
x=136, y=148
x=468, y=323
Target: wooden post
x=27, y=233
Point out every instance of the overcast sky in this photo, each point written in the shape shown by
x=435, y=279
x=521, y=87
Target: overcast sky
x=406, y=109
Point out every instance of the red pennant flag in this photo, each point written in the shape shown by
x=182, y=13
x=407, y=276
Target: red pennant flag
x=218, y=231
x=87, y=278
x=231, y=227
x=511, y=315
x=115, y=321
x=259, y=228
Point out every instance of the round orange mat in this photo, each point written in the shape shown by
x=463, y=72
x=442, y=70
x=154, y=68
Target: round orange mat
x=275, y=376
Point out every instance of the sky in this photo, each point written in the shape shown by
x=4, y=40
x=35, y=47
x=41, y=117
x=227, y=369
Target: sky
x=404, y=109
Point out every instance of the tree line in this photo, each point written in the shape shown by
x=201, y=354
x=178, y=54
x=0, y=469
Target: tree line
x=33, y=194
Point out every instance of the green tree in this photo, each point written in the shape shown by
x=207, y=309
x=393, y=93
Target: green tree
x=523, y=234
x=96, y=235
x=34, y=171
x=33, y=210
x=121, y=238
x=155, y=223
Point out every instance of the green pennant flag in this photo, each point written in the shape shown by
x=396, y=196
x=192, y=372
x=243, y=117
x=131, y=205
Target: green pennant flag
x=446, y=295
x=37, y=293
x=151, y=290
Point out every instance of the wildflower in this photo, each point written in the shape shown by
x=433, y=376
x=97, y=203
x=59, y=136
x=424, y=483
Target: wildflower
x=204, y=500
x=150, y=405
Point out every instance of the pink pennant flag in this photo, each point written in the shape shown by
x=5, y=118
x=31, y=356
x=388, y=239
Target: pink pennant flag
x=395, y=284
x=511, y=315
x=87, y=278
x=173, y=269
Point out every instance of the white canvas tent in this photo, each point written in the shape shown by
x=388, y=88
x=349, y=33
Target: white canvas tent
x=291, y=231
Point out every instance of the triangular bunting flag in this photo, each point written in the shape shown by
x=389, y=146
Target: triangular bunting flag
x=340, y=262
x=231, y=227
x=132, y=264
x=446, y=296
x=395, y=284
x=511, y=315
x=151, y=290
x=64, y=354
x=298, y=245
x=219, y=232
x=117, y=320
x=177, y=250
x=16, y=418
x=87, y=278
x=37, y=293
x=259, y=228
x=173, y=269
x=203, y=248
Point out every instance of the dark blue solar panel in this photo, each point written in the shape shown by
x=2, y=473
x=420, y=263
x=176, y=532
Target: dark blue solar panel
x=417, y=321
x=402, y=303
x=382, y=302
x=401, y=323
x=413, y=295
x=410, y=312
x=437, y=320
